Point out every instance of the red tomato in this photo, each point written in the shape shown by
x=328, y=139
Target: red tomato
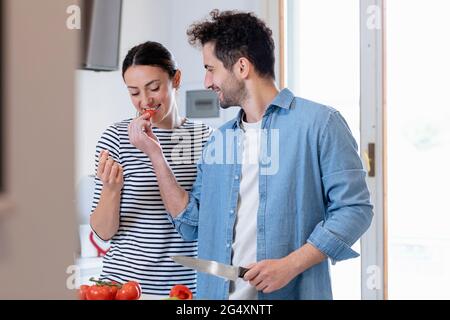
x=82, y=291
x=137, y=285
x=181, y=292
x=97, y=292
x=129, y=291
x=114, y=290
x=150, y=112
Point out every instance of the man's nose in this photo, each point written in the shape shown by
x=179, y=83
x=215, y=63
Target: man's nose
x=208, y=81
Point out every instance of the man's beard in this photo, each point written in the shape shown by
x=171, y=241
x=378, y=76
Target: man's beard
x=234, y=93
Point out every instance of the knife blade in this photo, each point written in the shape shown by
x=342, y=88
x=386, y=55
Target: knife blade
x=212, y=267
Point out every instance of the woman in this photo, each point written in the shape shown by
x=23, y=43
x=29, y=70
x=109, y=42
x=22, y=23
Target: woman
x=127, y=205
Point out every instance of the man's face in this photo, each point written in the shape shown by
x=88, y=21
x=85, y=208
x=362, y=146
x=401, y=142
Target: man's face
x=229, y=88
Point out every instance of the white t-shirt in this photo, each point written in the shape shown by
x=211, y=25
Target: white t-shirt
x=244, y=243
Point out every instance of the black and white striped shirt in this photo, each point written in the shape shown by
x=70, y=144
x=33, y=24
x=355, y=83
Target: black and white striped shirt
x=146, y=239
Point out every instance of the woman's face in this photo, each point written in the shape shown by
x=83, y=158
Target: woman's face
x=151, y=88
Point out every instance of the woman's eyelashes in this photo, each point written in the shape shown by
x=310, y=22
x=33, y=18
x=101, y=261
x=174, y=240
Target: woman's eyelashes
x=135, y=94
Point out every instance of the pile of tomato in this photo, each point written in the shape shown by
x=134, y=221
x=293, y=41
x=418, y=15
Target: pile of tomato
x=131, y=290
x=110, y=290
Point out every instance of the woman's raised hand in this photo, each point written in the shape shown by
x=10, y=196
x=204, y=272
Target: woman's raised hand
x=142, y=137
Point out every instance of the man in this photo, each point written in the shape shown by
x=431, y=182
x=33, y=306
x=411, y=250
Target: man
x=303, y=201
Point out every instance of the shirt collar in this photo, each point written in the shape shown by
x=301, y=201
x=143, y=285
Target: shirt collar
x=283, y=100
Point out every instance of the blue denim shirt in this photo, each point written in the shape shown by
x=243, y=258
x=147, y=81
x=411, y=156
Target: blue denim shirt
x=312, y=189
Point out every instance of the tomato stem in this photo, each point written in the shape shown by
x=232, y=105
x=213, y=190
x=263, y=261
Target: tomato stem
x=105, y=283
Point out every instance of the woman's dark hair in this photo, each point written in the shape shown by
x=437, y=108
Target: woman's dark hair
x=150, y=54
x=235, y=35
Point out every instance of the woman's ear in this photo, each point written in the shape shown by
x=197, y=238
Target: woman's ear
x=176, y=81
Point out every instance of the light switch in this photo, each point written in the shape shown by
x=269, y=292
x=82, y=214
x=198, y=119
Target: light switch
x=202, y=104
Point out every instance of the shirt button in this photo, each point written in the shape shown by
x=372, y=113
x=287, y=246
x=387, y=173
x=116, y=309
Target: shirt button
x=236, y=177
x=228, y=245
x=231, y=211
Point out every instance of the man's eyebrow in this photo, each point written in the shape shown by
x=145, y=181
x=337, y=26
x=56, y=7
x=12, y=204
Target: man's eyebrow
x=146, y=85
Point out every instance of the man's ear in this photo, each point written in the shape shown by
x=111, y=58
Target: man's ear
x=176, y=81
x=243, y=67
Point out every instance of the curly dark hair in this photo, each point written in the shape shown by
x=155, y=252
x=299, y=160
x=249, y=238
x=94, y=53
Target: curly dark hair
x=237, y=34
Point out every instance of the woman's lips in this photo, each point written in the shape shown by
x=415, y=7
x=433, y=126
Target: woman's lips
x=151, y=109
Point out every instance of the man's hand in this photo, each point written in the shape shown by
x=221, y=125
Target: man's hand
x=270, y=275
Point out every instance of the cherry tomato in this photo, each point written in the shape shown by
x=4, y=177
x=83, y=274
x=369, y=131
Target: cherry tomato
x=181, y=292
x=114, y=289
x=130, y=291
x=150, y=112
x=97, y=292
x=137, y=285
x=82, y=291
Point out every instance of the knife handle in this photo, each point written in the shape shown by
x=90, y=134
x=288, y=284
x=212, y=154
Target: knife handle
x=242, y=272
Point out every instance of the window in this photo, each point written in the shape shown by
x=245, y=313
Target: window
x=322, y=64
x=404, y=110
x=418, y=148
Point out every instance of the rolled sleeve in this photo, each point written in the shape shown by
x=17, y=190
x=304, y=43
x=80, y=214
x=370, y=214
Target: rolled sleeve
x=335, y=248
x=186, y=222
x=349, y=211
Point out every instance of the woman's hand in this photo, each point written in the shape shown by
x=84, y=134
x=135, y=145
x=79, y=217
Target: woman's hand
x=142, y=137
x=110, y=173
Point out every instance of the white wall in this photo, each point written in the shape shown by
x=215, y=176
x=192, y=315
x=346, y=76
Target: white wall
x=102, y=97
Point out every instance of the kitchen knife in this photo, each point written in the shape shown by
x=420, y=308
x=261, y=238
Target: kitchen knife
x=212, y=267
